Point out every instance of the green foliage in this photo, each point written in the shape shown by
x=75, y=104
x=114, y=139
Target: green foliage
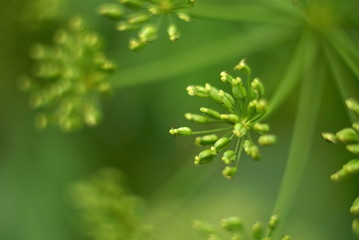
x=107, y=209
x=69, y=78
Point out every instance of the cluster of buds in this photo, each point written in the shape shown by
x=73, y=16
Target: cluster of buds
x=350, y=137
x=244, y=108
x=144, y=16
x=233, y=227
x=106, y=209
x=68, y=78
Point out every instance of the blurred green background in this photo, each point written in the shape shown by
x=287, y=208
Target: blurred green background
x=37, y=167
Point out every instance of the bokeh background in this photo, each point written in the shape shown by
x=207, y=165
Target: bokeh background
x=38, y=167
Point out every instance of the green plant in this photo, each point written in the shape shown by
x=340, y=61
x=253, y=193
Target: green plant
x=304, y=51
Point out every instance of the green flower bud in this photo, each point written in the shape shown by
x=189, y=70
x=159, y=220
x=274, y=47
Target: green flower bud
x=247, y=145
x=242, y=66
x=148, y=33
x=206, y=140
x=211, y=113
x=113, y=11
x=205, y=156
x=182, y=131
x=347, y=135
x=227, y=100
x=183, y=16
x=173, y=32
x=231, y=118
x=225, y=77
x=197, y=118
x=238, y=90
x=355, y=226
x=286, y=237
x=202, y=227
x=229, y=156
x=261, y=127
x=355, y=207
x=356, y=126
x=136, y=44
x=353, y=105
x=138, y=18
x=329, y=137
x=257, y=88
x=353, y=148
x=262, y=106
x=220, y=144
x=198, y=91
x=254, y=152
x=257, y=231
x=231, y=223
x=239, y=130
x=229, y=172
x=266, y=140
x=352, y=166
x=213, y=93
x=273, y=222
x=339, y=175
x=125, y=26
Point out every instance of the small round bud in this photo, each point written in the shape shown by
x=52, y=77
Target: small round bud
x=229, y=156
x=231, y=118
x=173, y=33
x=197, y=118
x=182, y=131
x=355, y=226
x=229, y=172
x=356, y=126
x=355, y=207
x=198, y=91
x=267, y=140
x=254, y=152
x=339, y=175
x=353, y=105
x=231, y=223
x=257, y=88
x=347, y=135
x=352, y=166
x=183, y=16
x=273, y=222
x=242, y=66
x=206, y=140
x=210, y=112
x=257, y=230
x=261, y=127
x=329, y=137
x=353, y=148
x=138, y=18
x=205, y=156
x=113, y=11
x=220, y=144
x=148, y=33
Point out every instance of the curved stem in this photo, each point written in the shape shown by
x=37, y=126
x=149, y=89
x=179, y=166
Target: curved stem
x=306, y=116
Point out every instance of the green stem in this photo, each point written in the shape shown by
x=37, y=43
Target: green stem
x=306, y=116
x=228, y=48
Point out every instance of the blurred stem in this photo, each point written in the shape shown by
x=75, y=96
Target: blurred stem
x=243, y=13
x=342, y=80
x=307, y=112
x=292, y=74
x=345, y=48
x=227, y=48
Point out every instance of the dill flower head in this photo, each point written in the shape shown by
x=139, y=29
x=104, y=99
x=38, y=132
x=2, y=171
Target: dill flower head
x=243, y=108
x=69, y=78
x=145, y=17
